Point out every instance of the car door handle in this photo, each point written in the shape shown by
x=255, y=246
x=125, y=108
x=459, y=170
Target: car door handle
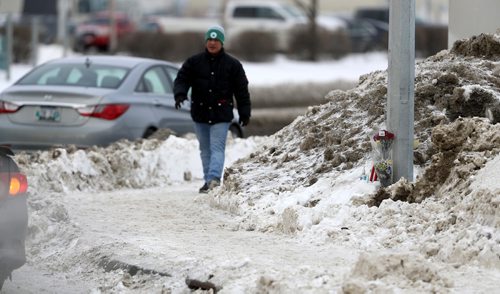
x=156, y=102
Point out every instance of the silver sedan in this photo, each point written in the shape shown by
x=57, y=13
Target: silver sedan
x=92, y=100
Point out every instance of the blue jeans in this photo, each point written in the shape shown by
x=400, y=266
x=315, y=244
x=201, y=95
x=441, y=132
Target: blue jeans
x=212, y=140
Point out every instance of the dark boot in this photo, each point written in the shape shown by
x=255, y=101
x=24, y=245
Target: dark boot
x=204, y=188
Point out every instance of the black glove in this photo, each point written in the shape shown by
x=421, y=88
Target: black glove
x=179, y=100
x=244, y=121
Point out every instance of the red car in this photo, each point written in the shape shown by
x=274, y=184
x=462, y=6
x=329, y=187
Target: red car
x=94, y=34
x=13, y=215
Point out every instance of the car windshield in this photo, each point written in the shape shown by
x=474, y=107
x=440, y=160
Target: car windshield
x=106, y=21
x=76, y=74
x=293, y=11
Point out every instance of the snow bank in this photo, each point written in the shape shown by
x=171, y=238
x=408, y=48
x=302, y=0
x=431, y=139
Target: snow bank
x=445, y=215
x=304, y=181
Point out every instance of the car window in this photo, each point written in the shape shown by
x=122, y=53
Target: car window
x=256, y=12
x=144, y=86
x=155, y=81
x=244, y=12
x=268, y=13
x=99, y=21
x=50, y=77
x=293, y=11
x=110, y=77
x=95, y=75
x=172, y=74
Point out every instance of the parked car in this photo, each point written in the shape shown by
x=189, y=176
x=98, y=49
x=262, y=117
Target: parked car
x=94, y=34
x=13, y=215
x=376, y=13
x=150, y=24
x=367, y=34
x=430, y=37
x=93, y=100
x=279, y=18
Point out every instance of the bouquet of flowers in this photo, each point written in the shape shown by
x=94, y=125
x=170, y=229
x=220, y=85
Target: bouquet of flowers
x=382, y=144
x=383, y=169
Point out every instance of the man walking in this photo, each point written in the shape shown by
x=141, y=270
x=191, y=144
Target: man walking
x=216, y=79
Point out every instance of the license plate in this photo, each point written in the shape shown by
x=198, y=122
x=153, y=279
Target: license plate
x=48, y=114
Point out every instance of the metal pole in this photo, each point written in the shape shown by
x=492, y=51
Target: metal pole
x=34, y=39
x=62, y=24
x=401, y=78
x=10, y=41
x=112, y=27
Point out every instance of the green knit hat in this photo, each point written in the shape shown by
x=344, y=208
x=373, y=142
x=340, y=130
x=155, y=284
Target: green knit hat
x=215, y=32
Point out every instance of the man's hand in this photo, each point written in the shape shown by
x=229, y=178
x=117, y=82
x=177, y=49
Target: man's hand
x=244, y=121
x=179, y=100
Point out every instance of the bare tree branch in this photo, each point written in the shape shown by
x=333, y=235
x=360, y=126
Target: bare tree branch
x=304, y=7
x=311, y=10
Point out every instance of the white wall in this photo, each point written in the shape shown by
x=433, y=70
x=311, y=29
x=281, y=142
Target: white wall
x=468, y=18
x=11, y=6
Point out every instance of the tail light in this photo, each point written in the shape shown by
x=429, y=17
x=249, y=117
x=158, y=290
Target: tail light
x=7, y=107
x=105, y=111
x=16, y=183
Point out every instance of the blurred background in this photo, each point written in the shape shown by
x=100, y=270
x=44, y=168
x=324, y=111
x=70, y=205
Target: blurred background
x=257, y=32
x=170, y=29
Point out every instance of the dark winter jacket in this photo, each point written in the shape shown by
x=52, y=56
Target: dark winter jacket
x=215, y=82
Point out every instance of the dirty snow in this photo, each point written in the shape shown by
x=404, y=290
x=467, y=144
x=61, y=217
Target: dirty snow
x=294, y=213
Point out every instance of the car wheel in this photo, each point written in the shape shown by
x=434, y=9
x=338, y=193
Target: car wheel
x=235, y=131
x=148, y=133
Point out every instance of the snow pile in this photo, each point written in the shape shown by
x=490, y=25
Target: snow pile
x=446, y=215
x=304, y=181
x=145, y=163
x=124, y=164
x=408, y=271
